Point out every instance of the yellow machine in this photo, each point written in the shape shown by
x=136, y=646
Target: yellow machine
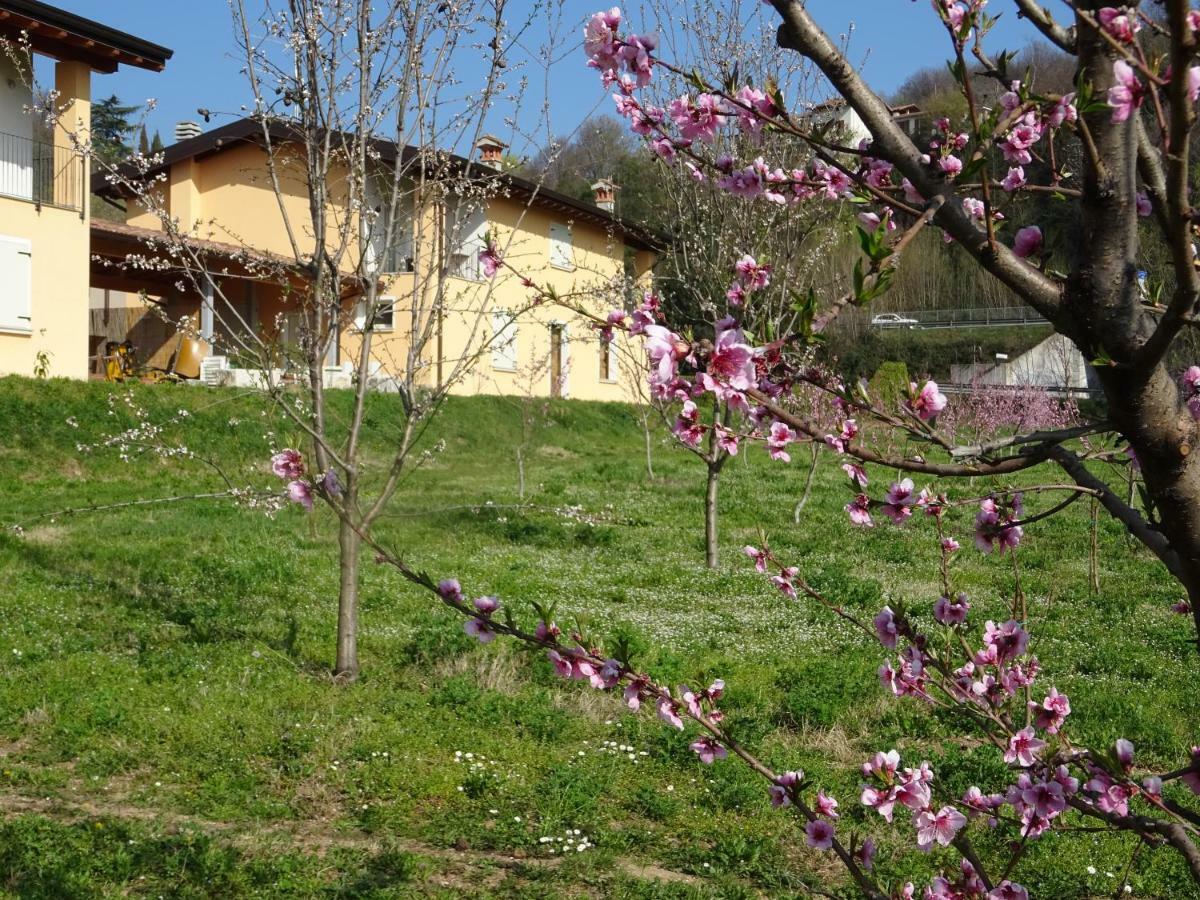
x=120, y=362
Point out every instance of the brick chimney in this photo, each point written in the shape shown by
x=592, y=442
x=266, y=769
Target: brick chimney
x=185, y=130
x=491, y=151
x=604, y=193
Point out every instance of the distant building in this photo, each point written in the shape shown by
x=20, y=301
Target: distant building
x=1055, y=364
x=851, y=128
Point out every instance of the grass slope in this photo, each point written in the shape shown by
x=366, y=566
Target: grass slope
x=167, y=726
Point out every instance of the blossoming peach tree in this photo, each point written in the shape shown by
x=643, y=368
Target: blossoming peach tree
x=1133, y=113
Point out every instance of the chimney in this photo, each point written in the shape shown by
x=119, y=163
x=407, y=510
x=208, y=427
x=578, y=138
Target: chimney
x=491, y=151
x=605, y=194
x=185, y=130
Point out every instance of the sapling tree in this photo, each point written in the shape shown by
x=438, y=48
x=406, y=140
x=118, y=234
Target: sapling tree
x=355, y=110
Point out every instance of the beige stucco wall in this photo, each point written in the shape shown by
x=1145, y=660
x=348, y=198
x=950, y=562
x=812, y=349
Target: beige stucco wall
x=60, y=257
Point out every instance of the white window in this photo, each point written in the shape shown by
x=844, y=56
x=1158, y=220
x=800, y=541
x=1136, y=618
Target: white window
x=504, y=341
x=382, y=255
x=562, y=254
x=608, y=359
x=16, y=284
x=385, y=314
x=466, y=228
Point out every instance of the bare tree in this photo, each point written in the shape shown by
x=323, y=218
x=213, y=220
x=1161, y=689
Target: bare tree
x=356, y=106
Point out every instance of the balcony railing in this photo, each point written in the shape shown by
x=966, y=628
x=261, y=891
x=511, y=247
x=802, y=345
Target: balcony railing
x=41, y=173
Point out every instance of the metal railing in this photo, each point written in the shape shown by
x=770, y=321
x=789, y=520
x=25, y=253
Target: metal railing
x=41, y=173
x=984, y=317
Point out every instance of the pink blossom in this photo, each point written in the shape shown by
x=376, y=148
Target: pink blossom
x=746, y=183
x=699, y=119
x=668, y=711
x=781, y=435
x=1045, y=799
x=865, y=854
x=883, y=802
x=1028, y=241
x=562, y=664
x=1123, y=751
x=1143, y=204
x=759, y=557
x=949, y=544
x=885, y=627
x=330, y=485
x=300, y=492
x=757, y=102
x=633, y=693
x=939, y=827
x=1050, y=714
x=450, y=589
x=1009, y=640
x=856, y=473
x=820, y=834
x=1182, y=607
x=1127, y=94
x=751, y=274
x=732, y=360
x=859, y=510
x=727, y=440
x=951, y=612
x=882, y=765
x=479, y=630
x=664, y=147
x=288, y=464
x=1120, y=24
x=826, y=805
x=708, y=750
x=487, y=605
x=1014, y=180
x=1063, y=111
x=665, y=348
x=928, y=402
x=950, y=166
x=783, y=581
x=546, y=631
x=781, y=790
x=900, y=501
x=599, y=40
x=1193, y=83
x=1023, y=748
x=1008, y=890
x=489, y=257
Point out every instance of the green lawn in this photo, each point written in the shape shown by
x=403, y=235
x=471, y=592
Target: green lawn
x=168, y=727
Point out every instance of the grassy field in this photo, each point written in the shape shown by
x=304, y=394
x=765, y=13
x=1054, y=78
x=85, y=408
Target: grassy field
x=168, y=727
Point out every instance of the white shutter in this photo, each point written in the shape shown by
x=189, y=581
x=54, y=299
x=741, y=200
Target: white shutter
x=504, y=341
x=16, y=284
x=561, y=252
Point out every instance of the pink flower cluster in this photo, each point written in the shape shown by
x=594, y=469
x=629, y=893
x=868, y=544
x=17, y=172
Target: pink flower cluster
x=996, y=524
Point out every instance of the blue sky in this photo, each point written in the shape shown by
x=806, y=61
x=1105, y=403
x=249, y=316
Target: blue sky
x=895, y=36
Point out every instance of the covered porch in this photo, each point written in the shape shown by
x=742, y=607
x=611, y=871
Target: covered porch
x=142, y=297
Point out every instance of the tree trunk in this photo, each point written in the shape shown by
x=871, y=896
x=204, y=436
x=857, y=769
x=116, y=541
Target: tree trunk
x=349, y=543
x=520, y=475
x=649, y=456
x=710, y=516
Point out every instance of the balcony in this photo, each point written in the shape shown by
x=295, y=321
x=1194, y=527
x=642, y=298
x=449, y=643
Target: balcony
x=41, y=173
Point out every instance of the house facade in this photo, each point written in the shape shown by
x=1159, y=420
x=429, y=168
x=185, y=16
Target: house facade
x=44, y=182
x=431, y=283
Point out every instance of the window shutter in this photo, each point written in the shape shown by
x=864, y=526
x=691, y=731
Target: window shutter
x=561, y=252
x=16, y=284
x=504, y=341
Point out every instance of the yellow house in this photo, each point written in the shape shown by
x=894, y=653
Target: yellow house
x=217, y=187
x=44, y=182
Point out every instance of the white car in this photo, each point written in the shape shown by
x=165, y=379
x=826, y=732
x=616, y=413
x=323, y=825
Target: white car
x=893, y=320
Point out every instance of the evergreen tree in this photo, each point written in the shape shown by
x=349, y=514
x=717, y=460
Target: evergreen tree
x=111, y=129
x=143, y=142
x=156, y=145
